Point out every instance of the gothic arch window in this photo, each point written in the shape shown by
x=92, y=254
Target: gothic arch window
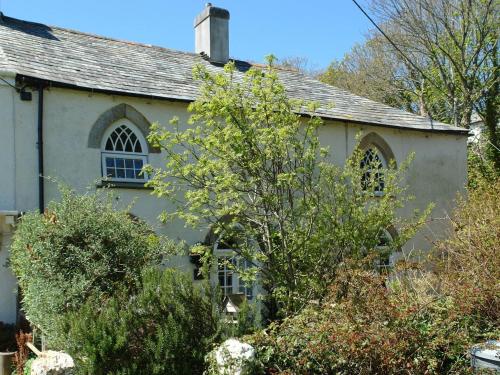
x=373, y=164
x=124, y=153
x=377, y=156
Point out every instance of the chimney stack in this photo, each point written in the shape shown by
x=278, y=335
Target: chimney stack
x=211, y=29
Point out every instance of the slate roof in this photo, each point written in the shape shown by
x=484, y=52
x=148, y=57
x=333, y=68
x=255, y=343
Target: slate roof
x=89, y=61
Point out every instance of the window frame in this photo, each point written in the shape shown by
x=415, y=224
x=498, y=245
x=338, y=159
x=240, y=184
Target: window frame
x=383, y=161
x=122, y=154
x=236, y=284
x=119, y=155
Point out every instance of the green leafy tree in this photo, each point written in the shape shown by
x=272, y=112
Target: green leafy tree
x=80, y=247
x=248, y=164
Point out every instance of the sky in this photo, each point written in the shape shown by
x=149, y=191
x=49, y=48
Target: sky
x=318, y=30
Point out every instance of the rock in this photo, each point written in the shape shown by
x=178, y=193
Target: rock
x=53, y=363
x=486, y=356
x=234, y=357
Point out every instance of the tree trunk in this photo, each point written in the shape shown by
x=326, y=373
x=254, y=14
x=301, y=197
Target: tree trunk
x=491, y=120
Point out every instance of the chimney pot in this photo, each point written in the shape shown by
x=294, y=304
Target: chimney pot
x=212, y=33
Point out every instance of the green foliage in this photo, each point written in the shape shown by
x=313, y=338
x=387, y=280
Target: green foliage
x=468, y=261
x=416, y=321
x=248, y=165
x=373, y=70
x=248, y=320
x=80, y=247
x=373, y=330
x=480, y=168
x=167, y=327
x=27, y=366
x=445, y=65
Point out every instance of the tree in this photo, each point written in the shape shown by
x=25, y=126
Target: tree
x=297, y=63
x=442, y=61
x=455, y=43
x=423, y=319
x=374, y=71
x=79, y=248
x=249, y=166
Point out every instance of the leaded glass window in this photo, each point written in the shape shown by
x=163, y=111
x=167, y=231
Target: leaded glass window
x=372, y=165
x=122, y=139
x=123, y=155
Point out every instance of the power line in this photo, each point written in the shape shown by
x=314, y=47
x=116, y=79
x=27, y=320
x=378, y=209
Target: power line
x=397, y=48
x=8, y=83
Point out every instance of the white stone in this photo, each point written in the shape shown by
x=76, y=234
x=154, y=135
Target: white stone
x=53, y=363
x=234, y=357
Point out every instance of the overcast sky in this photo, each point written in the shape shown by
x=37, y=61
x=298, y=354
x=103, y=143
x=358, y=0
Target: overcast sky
x=319, y=30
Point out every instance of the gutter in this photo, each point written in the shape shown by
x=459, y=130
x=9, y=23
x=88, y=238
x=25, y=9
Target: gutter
x=41, y=186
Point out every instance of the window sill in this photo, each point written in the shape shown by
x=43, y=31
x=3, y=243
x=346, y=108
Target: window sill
x=122, y=185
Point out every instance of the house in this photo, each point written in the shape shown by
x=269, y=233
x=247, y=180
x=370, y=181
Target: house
x=77, y=107
x=476, y=129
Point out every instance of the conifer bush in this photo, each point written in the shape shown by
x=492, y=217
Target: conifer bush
x=167, y=327
x=80, y=247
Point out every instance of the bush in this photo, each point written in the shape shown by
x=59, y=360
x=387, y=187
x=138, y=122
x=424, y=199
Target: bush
x=373, y=331
x=166, y=328
x=80, y=247
x=416, y=322
x=480, y=169
x=469, y=262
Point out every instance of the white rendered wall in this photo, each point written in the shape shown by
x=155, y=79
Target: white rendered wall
x=8, y=98
x=7, y=150
x=8, y=287
x=437, y=173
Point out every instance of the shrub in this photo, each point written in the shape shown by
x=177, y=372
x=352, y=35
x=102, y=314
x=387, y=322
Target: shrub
x=421, y=320
x=78, y=248
x=247, y=320
x=372, y=331
x=468, y=261
x=23, y=356
x=480, y=169
x=166, y=328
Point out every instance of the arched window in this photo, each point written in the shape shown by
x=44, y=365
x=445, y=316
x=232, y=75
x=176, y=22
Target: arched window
x=228, y=264
x=124, y=153
x=377, y=155
x=373, y=163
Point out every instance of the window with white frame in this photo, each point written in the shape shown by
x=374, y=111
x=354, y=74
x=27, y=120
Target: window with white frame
x=228, y=264
x=373, y=163
x=124, y=153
